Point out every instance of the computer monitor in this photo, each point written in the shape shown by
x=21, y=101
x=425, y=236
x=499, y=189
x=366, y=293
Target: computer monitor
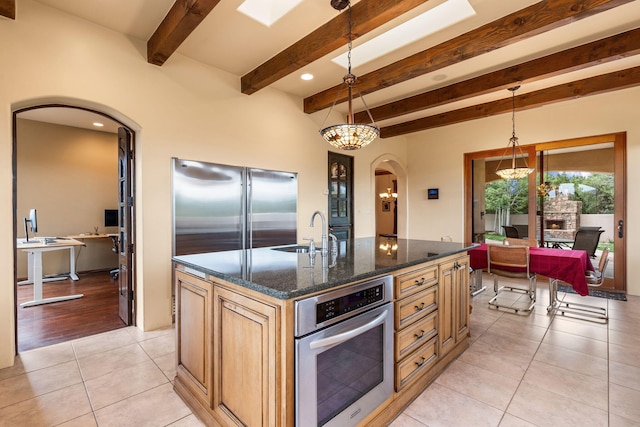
x=110, y=217
x=31, y=222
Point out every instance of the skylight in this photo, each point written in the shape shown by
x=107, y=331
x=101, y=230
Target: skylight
x=267, y=12
x=440, y=17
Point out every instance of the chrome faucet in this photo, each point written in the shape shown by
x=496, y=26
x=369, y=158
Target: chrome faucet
x=325, y=247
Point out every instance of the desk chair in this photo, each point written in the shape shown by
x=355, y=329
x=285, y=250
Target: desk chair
x=595, y=279
x=512, y=262
x=116, y=248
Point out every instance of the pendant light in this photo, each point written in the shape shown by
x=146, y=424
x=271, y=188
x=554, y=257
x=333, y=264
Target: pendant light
x=350, y=135
x=514, y=172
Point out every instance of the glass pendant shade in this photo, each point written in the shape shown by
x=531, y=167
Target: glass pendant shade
x=350, y=135
x=513, y=172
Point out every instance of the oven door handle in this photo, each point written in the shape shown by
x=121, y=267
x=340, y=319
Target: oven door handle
x=339, y=338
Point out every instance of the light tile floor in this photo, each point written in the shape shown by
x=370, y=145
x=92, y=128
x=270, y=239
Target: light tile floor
x=520, y=370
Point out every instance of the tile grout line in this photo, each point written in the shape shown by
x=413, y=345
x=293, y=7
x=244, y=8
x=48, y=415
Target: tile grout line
x=553, y=316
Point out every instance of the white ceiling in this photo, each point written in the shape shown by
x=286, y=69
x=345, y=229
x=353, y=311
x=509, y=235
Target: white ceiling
x=233, y=42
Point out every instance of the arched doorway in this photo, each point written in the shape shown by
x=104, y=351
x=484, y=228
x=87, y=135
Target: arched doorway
x=389, y=177
x=71, y=172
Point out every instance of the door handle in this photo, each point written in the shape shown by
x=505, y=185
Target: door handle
x=620, y=228
x=345, y=336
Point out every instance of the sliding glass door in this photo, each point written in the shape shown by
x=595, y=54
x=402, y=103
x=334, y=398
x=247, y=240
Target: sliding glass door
x=576, y=196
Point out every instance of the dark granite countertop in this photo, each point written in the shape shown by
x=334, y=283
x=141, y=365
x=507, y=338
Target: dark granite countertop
x=287, y=275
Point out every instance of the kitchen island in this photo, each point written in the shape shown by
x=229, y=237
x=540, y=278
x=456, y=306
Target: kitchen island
x=235, y=322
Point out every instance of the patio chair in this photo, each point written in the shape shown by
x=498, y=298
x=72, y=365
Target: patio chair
x=587, y=240
x=512, y=262
x=511, y=231
x=594, y=279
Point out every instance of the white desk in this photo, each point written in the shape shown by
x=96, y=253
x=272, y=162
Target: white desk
x=34, y=249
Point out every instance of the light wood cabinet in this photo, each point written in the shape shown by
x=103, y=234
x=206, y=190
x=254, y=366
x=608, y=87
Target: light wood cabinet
x=235, y=348
x=193, y=335
x=227, y=354
x=453, y=303
x=244, y=359
x=431, y=316
x=416, y=322
x=415, y=280
x=412, y=366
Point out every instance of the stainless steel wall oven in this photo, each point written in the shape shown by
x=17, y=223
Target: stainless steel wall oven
x=344, y=353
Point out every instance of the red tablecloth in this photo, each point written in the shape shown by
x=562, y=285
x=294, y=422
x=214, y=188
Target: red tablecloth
x=565, y=265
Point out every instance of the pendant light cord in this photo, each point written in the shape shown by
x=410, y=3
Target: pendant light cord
x=350, y=39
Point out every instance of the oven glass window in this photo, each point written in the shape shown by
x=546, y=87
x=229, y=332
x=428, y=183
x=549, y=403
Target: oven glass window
x=348, y=371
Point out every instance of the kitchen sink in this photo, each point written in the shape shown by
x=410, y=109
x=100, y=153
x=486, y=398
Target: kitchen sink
x=300, y=249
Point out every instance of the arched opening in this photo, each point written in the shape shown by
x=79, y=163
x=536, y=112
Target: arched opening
x=68, y=170
x=390, y=196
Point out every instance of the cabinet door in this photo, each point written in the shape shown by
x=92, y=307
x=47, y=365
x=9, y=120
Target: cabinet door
x=193, y=349
x=462, y=298
x=244, y=359
x=446, y=307
x=453, y=303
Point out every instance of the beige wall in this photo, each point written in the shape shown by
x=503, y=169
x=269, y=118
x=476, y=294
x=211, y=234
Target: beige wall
x=182, y=109
x=70, y=175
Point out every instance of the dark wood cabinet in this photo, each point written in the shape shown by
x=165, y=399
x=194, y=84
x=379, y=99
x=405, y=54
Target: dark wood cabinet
x=341, y=195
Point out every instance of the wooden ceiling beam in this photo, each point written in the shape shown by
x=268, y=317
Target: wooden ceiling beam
x=183, y=17
x=591, y=86
x=8, y=8
x=577, y=58
x=366, y=15
x=528, y=22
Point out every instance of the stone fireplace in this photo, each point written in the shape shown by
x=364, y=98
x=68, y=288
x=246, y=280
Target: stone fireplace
x=561, y=217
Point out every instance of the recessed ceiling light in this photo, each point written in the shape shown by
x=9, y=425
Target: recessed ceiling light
x=267, y=12
x=307, y=76
x=442, y=16
x=98, y=124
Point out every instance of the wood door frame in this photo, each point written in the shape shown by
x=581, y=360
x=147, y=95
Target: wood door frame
x=619, y=140
x=14, y=203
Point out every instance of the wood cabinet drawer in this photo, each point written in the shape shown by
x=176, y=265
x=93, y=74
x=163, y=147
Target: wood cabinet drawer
x=415, y=307
x=416, y=334
x=414, y=281
x=417, y=362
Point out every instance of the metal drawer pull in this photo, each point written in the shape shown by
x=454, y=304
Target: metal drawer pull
x=420, y=363
x=421, y=334
x=419, y=308
x=420, y=282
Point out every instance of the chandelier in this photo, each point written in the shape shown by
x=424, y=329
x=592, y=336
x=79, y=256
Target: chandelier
x=350, y=135
x=388, y=196
x=543, y=190
x=514, y=172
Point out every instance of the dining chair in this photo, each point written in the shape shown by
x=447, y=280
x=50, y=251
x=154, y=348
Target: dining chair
x=511, y=231
x=595, y=279
x=587, y=240
x=512, y=262
x=510, y=241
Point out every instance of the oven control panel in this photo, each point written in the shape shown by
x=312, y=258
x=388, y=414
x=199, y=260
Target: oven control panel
x=317, y=312
x=348, y=303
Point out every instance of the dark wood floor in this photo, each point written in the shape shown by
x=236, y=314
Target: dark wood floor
x=47, y=324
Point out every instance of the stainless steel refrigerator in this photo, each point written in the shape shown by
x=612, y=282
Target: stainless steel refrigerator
x=220, y=207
